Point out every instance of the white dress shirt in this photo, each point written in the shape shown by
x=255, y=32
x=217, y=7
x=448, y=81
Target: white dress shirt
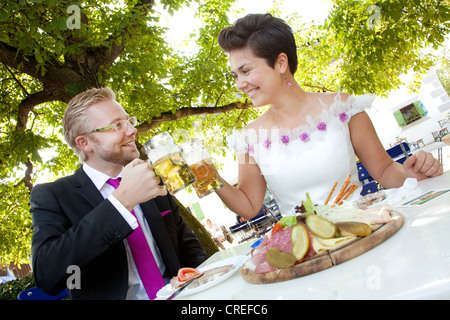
x=136, y=290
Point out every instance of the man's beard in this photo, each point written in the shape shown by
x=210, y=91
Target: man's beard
x=115, y=157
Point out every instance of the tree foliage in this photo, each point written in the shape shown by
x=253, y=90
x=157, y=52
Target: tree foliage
x=443, y=72
x=370, y=45
x=44, y=62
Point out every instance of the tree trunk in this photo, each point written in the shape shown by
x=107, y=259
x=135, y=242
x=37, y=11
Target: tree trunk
x=203, y=236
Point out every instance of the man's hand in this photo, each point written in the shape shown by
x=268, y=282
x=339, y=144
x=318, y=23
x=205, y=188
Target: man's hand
x=422, y=165
x=139, y=184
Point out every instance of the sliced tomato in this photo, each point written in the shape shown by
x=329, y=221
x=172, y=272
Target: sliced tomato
x=277, y=227
x=185, y=274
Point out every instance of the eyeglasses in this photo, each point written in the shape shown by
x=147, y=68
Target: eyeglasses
x=122, y=125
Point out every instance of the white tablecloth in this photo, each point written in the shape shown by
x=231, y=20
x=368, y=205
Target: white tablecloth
x=413, y=264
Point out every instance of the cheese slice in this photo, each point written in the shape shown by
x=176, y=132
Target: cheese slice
x=320, y=245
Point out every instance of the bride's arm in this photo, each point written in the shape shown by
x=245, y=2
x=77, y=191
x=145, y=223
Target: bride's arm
x=372, y=154
x=382, y=168
x=247, y=198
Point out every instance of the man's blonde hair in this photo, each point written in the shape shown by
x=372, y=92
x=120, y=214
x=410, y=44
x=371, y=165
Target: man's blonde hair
x=75, y=120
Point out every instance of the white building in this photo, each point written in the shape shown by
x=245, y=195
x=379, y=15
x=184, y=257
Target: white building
x=435, y=101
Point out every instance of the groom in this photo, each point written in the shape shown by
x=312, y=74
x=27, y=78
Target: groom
x=111, y=219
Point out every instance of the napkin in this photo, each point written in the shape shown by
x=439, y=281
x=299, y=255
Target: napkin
x=407, y=191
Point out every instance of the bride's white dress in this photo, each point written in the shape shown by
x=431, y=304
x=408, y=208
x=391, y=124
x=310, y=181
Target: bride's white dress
x=310, y=158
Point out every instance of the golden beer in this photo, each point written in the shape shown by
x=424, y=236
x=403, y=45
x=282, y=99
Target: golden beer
x=206, y=175
x=174, y=172
x=168, y=162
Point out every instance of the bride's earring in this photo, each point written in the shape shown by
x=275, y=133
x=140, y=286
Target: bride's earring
x=288, y=83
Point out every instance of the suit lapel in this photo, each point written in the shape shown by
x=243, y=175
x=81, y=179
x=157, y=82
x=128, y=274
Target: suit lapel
x=86, y=188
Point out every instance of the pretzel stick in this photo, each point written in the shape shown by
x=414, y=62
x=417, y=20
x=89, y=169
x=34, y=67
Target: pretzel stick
x=332, y=190
x=349, y=191
x=344, y=186
x=343, y=194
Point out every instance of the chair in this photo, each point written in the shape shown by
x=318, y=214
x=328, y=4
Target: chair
x=400, y=141
x=369, y=184
x=370, y=187
x=437, y=135
x=36, y=294
x=420, y=143
x=398, y=153
x=444, y=122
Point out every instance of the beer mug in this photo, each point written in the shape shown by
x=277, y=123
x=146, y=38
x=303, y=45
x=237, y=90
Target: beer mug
x=166, y=158
x=205, y=172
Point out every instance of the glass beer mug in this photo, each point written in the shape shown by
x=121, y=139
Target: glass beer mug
x=205, y=172
x=168, y=162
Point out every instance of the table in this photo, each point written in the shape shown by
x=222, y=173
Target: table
x=413, y=264
x=431, y=147
x=446, y=139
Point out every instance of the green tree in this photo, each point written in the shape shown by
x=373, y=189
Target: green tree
x=368, y=46
x=48, y=54
x=443, y=72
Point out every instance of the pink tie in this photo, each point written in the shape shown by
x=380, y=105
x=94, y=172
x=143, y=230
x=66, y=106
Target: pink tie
x=143, y=257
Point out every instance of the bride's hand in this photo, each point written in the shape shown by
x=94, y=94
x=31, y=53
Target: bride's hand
x=422, y=165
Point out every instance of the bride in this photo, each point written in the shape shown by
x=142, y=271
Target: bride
x=305, y=142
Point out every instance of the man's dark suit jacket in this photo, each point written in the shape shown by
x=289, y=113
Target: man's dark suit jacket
x=74, y=225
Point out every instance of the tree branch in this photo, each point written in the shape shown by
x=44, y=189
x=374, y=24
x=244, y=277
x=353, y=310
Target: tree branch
x=322, y=89
x=187, y=112
x=10, y=56
x=17, y=80
x=27, y=178
x=110, y=54
x=27, y=104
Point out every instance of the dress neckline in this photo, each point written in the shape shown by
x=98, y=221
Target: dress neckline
x=338, y=111
x=317, y=123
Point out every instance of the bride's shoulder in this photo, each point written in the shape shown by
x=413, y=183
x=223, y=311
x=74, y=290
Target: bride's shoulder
x=344, y=102
x=328, y=98
x=261, y=122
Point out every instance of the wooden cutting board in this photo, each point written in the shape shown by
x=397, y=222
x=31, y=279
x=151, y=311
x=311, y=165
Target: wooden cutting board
x=329, y=258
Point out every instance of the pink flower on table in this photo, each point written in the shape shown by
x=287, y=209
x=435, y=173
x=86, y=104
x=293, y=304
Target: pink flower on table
x=304, y=136
x=343, y=116
x=250, y=149
x=266, y=143
x=322, y=126
x=285, y=139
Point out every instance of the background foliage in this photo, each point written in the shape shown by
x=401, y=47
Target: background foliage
x=11, y=289
x=43, y=63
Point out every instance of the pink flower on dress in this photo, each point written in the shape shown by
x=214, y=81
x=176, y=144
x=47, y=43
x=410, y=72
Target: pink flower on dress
x=266, y=143
x=322, y=126
x=304, y=136
x=285, y=139
x=343, y=116
x=251, y=149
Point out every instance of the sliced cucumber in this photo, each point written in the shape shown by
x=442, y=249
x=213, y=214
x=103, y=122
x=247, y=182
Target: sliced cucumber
x=321, y=227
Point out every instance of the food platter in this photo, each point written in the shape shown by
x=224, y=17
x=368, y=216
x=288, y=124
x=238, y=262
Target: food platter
x=329, y=258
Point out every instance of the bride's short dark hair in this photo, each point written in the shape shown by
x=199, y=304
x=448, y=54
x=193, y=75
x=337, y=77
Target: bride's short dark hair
x=265, y=35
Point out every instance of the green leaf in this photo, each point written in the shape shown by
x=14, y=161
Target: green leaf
x=286, y=222
x=308, y=204
x=4, y=16
x=38, y=57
